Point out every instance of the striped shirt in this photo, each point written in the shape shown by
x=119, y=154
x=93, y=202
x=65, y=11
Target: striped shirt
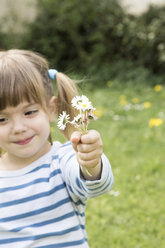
x=43, y=204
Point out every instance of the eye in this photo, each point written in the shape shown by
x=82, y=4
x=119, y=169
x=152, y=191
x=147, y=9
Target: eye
x=31, y=112
x=3, y=120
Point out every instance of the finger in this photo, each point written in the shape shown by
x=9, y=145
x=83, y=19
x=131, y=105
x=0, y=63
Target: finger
x=90, y=155
x=75, y=139
x=90, y=163
x=91, y=137
x=85, y=148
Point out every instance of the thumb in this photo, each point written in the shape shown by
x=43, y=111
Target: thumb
x=75, y=139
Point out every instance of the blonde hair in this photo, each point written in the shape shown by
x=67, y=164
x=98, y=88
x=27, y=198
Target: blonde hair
x=24, y=76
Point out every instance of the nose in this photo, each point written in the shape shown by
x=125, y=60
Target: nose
x=18, y=126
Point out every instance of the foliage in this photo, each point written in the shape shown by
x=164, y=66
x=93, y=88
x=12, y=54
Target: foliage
x=152, y=24
x=76, y=33
x=93, y=37
x=123, y=71
x=92, y=33
x=144, y=41
x=1, y=39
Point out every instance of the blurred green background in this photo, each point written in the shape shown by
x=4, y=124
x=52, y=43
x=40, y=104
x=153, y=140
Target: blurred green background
x=121, y=59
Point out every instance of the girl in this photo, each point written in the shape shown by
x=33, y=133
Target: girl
x=43, y=184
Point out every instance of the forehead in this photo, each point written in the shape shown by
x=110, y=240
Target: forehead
x=19, y=108
x=15, y=90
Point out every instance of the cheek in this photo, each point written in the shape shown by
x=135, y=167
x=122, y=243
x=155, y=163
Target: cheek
x=4, y=138
x=4, y=133
x=41, y=125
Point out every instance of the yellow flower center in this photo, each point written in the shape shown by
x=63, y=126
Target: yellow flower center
x=84, y=105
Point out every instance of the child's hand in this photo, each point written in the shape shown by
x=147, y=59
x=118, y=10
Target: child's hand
x=88, y=149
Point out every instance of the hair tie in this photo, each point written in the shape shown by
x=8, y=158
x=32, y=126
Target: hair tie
x=52, y=73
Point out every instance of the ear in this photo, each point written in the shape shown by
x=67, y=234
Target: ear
x=52, y=108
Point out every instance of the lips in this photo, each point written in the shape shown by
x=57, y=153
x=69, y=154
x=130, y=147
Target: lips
x=24, y=142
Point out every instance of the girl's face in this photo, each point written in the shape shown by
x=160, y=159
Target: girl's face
x=24, y=132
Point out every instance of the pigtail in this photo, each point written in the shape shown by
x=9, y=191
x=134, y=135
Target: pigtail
x=66, y=91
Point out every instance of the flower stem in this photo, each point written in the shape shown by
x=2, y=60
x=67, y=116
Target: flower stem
x=84, y=122
x=88, y=173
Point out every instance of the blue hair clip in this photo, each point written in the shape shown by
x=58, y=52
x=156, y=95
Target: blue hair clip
x=52, y=73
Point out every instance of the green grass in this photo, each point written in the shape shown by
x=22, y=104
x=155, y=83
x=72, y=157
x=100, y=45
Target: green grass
x=131, y=215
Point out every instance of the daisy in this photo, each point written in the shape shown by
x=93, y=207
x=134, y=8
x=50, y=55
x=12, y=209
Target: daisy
x=81, y=121
x=82, y=103
x=77, y=120
x=63, y=119
x=91, y=115
x=76, y=100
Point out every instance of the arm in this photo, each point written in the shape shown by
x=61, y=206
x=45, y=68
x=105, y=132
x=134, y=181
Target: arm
x=88, y=150
x=99, y=183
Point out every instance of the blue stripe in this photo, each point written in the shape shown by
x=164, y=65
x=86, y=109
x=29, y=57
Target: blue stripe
x=55, y=157
x=55, y=172
x=80, y=185
x=47, y=222
x=67, y=144
x=77, y=191
x=39, y=180
x=66, y=244
x=80, y=194
x=36, y=212
x=33, y=197
x=77, y=203
x=102, y=185
x=100, y=190
x=66, y=154
x=43, y=166
x=80, y=214
x=41, y=236
x=71, y=156
x=110, y=183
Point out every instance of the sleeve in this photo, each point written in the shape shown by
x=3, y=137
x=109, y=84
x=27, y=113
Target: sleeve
x=80, y=188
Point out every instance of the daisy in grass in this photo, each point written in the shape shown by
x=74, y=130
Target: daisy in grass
x=82, y=120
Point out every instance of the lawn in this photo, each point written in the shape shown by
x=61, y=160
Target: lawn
x=132, y=125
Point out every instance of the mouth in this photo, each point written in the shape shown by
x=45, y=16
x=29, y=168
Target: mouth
x=24, y=141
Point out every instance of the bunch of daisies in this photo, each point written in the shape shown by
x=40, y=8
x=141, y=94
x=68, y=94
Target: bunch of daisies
x=81, y=121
